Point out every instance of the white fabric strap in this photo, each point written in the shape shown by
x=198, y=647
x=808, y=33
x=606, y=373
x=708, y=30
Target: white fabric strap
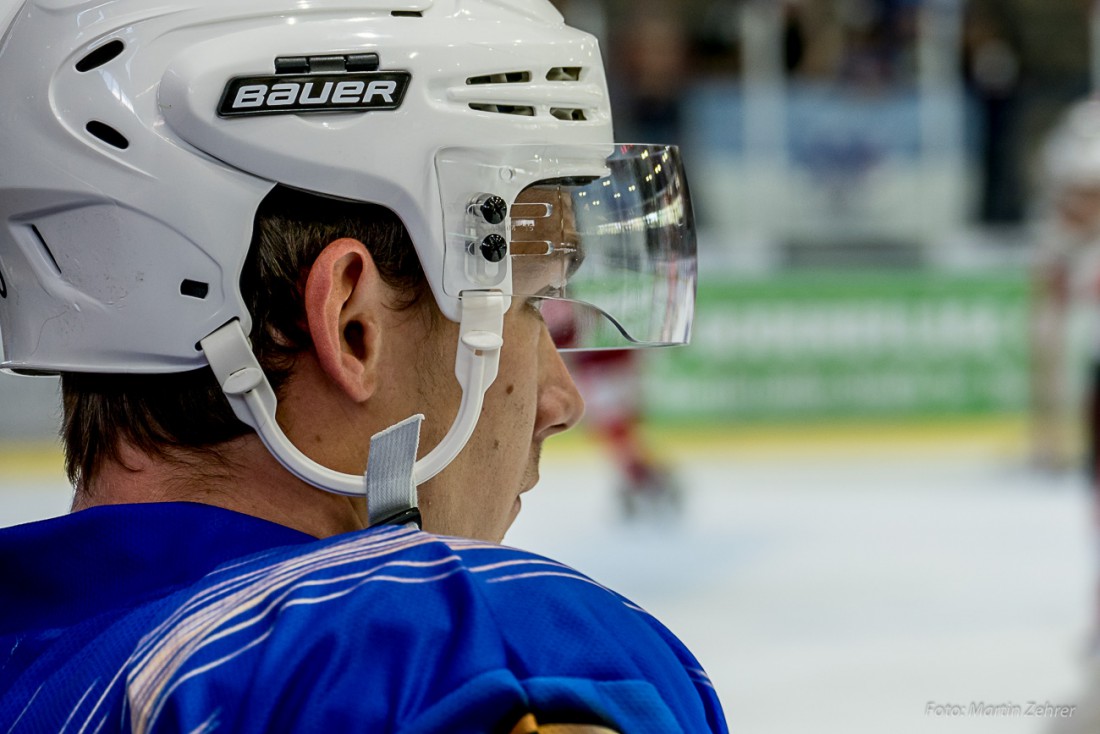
x=390, y=487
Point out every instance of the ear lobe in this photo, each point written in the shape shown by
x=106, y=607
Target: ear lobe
x=343, y=298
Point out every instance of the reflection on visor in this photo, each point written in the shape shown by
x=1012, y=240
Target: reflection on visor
x=604, y=242
x=545, y=245
x=612, y=259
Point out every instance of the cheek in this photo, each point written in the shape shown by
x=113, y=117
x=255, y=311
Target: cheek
x=514, y=395
x=519, y=360
x=513, y=402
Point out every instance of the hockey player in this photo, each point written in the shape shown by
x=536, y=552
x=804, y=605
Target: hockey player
x=252, y=234
x=1066, y=322
x=610, y=381
x=1066, y=341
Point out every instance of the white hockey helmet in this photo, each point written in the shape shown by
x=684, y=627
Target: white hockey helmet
x=1071, y=176
x=1071, y=153
x=140, y=138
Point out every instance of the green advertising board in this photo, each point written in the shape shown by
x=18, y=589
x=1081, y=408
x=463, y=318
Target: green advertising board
x=829, y=346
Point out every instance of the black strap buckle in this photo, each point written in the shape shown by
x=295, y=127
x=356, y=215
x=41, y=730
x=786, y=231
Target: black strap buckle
x=405, y=517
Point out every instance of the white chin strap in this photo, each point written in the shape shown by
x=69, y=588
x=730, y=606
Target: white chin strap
x=390, y=480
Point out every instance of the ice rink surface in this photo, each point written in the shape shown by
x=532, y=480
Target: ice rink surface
x=829, y=593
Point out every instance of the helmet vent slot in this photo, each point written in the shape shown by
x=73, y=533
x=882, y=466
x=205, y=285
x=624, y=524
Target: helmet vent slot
x=504, y=109
x=569, y=114
x=194, y=289
x=564, y=74
x=100, y=56
x=46, y=249
x=407, y=14
x=507, y=77
x=3, y=286
x=107, y=134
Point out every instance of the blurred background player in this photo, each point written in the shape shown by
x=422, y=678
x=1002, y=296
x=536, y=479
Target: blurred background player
x=1066, y=316
x=611, y=383
x=1066, y=336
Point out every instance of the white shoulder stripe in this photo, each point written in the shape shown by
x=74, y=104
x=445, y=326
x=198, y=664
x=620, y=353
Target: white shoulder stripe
x=79, y=703
x=522, y=562
x=235, y=609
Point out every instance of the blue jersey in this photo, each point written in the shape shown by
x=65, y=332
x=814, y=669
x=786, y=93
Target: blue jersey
x=189, y=618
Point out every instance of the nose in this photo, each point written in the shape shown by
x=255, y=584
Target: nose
x=560, y=404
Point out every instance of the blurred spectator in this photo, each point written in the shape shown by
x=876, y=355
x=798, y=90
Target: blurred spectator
x=1026, y=61
x=864, y=43
x=650, y=59
x=992, y=60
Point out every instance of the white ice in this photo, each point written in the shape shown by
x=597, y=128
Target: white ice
x=843, y=596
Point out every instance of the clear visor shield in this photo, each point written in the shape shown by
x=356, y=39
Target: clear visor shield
x=603, y=245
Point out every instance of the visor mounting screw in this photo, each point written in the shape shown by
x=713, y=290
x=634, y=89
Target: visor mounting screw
x=494, y=248
x=493, y=208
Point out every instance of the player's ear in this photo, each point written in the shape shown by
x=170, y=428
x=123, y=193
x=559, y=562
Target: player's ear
x=343, y=302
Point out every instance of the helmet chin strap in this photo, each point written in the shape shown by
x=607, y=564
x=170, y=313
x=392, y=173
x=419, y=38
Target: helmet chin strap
x=481, y=336
x=389, y=484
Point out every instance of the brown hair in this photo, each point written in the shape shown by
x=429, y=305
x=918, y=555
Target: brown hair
x=176, y=416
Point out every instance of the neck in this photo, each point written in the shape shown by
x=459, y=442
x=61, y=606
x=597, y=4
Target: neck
x=244, y=478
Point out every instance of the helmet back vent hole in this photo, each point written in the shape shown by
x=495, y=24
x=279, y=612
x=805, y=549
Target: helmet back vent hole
x=107, y=134
x=100, y=56
x=564, y=74
x=507, y=77
x=407, y=14
x=568, y=114
x=194, y=289
x=46, y=249
x=504, y=109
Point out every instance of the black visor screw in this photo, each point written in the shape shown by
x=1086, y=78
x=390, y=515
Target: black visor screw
x=494, y=248
x=493, y=208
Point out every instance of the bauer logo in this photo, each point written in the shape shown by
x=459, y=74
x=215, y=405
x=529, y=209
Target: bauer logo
x=298, y=94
